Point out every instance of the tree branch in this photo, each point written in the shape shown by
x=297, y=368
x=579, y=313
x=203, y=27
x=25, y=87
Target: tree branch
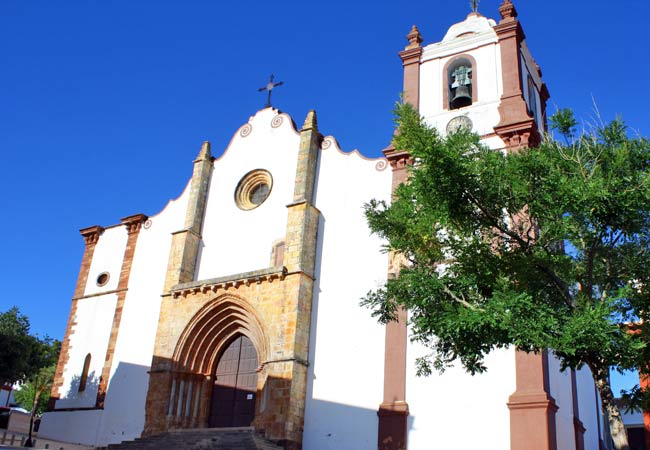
x=460, y=300
x=557, y=281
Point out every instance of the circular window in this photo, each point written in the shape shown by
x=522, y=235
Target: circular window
x=253, y=189
x=103, y=278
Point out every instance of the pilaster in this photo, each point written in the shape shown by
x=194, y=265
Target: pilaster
x=516, y=128
x=299, y=261
x=532, y=408
x=410, y=57
x=310, y=140
x=185, y=243
x=133, y=225
x=393, y=411
x=91, y=237
x=181, y=268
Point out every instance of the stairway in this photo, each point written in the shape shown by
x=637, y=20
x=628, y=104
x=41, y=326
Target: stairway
x=243, y=438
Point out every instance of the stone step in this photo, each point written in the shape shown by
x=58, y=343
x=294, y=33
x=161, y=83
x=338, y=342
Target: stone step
x=200, y=439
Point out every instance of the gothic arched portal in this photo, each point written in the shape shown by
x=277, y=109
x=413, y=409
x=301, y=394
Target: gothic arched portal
x=215, y=366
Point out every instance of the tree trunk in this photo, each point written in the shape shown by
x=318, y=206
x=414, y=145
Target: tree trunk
x=29, y=442
x=616, y=425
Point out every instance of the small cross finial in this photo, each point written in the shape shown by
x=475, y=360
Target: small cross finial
x=474, y=5
x=269, y=87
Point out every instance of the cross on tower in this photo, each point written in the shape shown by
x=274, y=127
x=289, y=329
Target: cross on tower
x=474, y=5
x=269, y=87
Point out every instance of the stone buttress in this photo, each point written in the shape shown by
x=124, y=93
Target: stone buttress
x=270, y=306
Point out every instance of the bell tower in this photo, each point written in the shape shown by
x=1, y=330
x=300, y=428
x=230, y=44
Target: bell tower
x=480, y=76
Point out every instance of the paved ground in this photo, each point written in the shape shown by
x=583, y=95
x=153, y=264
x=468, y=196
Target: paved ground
x=6, y=442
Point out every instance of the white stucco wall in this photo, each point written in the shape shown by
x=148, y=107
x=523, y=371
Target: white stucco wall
x=487, y=77
x=123, y=414
x=588, y=407
x=345, y=378
x=129, y=378
x=457, y=410
x=107, y=257
x=632, y=418
x=76, y=427
x=562, y=392
x=237, y=241
x=91, y=333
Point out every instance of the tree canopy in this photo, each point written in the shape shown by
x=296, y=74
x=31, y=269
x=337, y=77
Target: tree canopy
x=34, y=394
x=21, y=353
x=540, y=248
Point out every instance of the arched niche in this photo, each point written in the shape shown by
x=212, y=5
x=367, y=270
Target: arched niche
x=454, y=64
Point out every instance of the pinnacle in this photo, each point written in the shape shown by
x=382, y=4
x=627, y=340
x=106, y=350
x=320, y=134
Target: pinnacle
x=508, y=11
x=310, y=121
x=414, y=37
x=204, y=154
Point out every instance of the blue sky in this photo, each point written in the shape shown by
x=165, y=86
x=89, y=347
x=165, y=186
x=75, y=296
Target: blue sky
x=104, y=104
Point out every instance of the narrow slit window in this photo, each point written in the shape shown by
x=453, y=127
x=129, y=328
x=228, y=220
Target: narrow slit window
x=84, y=374
x=532, y=99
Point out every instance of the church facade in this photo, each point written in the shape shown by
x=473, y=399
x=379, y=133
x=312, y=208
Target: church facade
x=238, y=303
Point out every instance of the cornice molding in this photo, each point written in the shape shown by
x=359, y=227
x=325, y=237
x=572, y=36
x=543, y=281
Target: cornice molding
x=214, y=284
x=134, y=223
x=91, y=234
x=398, y=159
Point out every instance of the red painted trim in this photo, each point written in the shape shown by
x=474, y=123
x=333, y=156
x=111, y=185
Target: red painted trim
x=393, y=411
x=411, y=61
x=517, y=127
x=133, y=225
x=91, y=237
x=532, y=409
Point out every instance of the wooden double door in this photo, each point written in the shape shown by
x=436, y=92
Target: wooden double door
x=235, y=385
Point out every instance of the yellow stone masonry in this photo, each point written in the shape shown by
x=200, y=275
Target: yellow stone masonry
x=199, y=319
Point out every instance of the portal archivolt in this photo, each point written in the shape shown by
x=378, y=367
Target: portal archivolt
x=204, y=340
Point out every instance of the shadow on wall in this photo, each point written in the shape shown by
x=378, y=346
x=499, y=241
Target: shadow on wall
x=76, y=418
x=124, y=404
x=328, y=425
x=81, y=393
x=335, y=426
x=331, y=425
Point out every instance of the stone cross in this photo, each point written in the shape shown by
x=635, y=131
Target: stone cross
x=268, y=88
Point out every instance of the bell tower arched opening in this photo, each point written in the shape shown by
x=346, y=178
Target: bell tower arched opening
x=459, y=87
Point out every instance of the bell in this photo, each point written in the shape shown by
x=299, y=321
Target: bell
x=461, y=97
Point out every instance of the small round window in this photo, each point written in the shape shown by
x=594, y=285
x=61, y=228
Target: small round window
x=103, y=278
x=253, y=189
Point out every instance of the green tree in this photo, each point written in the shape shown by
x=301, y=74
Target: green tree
x=22, y=354
x=545, y=248
x=34, y=394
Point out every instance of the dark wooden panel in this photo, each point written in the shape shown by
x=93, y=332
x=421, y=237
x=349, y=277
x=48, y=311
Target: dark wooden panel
x=235, y=385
